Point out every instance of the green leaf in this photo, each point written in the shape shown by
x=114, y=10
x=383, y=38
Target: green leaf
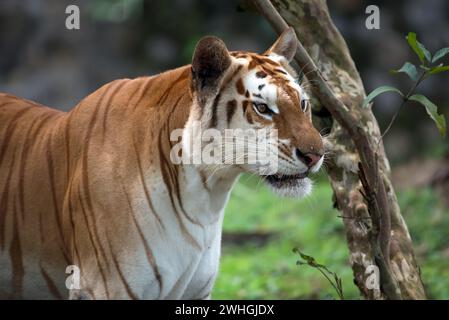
x=439, y=69
x=432, y=111
x=413, y=43
x=309, y=260
x=440, y=54
x=409, y=69
x=425, y=51
x=379, y=91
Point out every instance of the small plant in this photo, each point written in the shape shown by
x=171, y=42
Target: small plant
x=428, y=67
x=331, y=276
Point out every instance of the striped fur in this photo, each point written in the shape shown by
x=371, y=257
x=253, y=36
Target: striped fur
x=95, y=187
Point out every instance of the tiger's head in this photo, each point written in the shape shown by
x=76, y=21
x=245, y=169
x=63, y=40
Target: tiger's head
x=242, y=91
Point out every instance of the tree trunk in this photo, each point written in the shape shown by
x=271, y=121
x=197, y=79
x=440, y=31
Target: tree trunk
x=327, y=48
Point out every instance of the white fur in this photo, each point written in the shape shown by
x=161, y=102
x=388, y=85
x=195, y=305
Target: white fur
x=302, y=189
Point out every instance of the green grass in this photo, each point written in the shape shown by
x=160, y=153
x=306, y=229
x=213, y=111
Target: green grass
x=428, y=223
x=269, y=271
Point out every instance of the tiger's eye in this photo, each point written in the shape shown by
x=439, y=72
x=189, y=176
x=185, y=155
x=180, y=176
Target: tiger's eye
x=304, y=104
x=262, y=108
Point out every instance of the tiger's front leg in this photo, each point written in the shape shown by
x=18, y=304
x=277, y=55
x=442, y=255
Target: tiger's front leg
x=203, y=280
x=116, y=283
x=111, y=243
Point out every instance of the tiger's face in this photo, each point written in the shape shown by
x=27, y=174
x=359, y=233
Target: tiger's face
x=258, y=97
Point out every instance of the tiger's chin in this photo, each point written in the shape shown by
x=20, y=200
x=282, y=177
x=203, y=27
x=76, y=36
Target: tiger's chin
x=290, y=186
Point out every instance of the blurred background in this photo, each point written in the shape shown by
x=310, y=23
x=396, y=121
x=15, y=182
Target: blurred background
x=43, y=61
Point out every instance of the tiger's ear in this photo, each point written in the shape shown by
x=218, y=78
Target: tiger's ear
x=285, y=45
x=210, y=60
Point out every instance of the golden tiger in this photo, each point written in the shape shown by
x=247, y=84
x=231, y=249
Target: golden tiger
x=97, y=187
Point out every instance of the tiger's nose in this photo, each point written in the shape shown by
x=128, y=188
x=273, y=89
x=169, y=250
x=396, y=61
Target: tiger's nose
x=309, y=159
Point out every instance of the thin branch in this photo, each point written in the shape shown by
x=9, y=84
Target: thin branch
x=334, y=285
x=404, y=101
x=354, y=218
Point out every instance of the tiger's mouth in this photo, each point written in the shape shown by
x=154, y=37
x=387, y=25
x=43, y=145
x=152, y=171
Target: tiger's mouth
x=284, y=179
x=289, y=185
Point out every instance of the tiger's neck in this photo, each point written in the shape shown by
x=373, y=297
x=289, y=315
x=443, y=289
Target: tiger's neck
x=200, y=189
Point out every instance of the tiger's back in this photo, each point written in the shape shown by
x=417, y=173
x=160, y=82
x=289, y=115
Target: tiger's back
x=27, y=231
x=56, y=168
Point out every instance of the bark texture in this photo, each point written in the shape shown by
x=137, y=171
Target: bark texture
x=399, y=272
